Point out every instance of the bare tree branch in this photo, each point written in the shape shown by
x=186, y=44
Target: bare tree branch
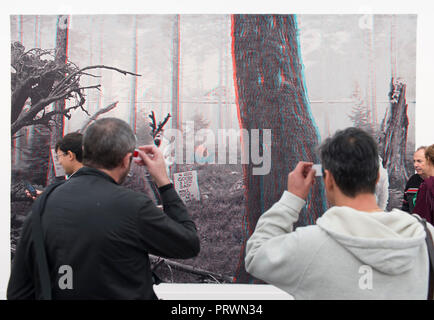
x=26, y=119
x=156, y=130
x=22, y=91
x=97, y=114
x=47, y=117
x=153, y=124
x=90, y=75
x=162, y=124
x=92, y=67
x=38, y=82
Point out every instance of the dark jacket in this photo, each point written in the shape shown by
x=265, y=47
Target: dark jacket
x=425, y=200
x=103, y=232
x=410, y=193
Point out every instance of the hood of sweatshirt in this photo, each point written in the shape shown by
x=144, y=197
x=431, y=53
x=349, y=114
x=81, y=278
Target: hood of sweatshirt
x=386, y=241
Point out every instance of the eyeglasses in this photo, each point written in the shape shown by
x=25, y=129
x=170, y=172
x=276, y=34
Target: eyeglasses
x=58, y=155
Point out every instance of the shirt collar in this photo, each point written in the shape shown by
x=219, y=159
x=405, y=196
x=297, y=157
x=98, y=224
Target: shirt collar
x=93, y=172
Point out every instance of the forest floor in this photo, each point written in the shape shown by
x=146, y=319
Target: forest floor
x=218, y=218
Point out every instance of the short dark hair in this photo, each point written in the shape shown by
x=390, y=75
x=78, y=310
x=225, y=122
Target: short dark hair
x=72, y=142
x=351, y=156
x=106, y=142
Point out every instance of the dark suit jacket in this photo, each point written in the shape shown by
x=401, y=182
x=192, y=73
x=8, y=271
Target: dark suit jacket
x=410, y=193
x=103, y=233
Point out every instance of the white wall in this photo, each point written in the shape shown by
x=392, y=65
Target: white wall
x=424, y=99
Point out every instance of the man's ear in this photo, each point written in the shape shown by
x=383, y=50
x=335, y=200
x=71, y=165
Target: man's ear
x=378, y=177
x=127, y=160
x=329, y=181
x=71, y=155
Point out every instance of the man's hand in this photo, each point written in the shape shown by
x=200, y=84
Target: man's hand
x=152, y=158
x=301, y=179
x=29, y=195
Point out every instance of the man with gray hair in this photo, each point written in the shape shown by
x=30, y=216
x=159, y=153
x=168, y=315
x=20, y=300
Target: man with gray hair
x=98, y=234
x=414, y=182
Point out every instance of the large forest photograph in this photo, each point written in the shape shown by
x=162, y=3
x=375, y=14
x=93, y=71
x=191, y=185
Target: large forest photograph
x=250, y=96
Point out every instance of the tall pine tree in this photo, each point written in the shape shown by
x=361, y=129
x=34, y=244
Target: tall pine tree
x=271, y=94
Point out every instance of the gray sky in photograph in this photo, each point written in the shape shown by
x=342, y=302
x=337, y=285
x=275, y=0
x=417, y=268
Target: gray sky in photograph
x=340, y=53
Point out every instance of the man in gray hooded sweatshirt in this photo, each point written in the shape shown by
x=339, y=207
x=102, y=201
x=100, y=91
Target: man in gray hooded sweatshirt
x=355, y=250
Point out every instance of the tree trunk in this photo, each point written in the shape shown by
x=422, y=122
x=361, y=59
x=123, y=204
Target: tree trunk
x=133, y=106
x=270, y=94
x=393, y=141
x=60, y=58
x=176, y=119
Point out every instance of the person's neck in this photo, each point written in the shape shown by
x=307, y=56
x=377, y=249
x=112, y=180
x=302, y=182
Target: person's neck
x=365, y=202
x=113, y=173
x=77, y=167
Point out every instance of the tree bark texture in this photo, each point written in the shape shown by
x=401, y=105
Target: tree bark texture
x=60, y=58
x=176, y=116
x=393, y=141
x=270, y=94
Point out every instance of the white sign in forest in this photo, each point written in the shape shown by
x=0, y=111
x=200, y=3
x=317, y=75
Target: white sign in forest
x=186, y=185
x=58, y=169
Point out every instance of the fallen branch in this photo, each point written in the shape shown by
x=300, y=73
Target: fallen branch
x=189, y=269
